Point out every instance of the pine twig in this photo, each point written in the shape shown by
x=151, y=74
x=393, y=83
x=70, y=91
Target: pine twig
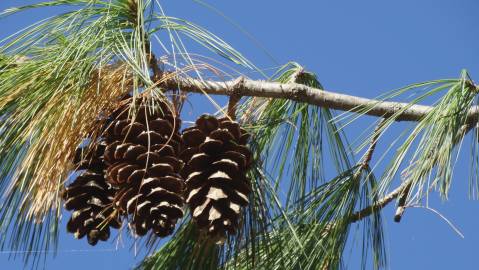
x=310, y=95
x=154, y=64
x=365, y=165
x=234, y=98
x=372, y=146
x=232, y=105
x=380, y=204
x=401, y=204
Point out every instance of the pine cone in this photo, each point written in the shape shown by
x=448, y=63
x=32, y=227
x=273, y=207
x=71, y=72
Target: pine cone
x=142, y=158
x=90, y=198
x=216, y=183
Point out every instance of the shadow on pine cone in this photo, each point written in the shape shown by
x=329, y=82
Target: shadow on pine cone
x=216, y=183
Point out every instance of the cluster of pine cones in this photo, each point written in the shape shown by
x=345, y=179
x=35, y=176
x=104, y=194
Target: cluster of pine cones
x=144, y=170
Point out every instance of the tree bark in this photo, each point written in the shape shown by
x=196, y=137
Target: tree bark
x=314, y=96
x=380, y=204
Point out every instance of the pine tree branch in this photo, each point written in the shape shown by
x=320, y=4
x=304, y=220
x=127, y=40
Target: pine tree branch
x=298, y=92
x=401, y=204
x=372, y=146
x=333, y=100
x=380, y=204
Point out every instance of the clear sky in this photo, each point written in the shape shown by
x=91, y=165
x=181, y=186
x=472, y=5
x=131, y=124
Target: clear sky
x=356, y=47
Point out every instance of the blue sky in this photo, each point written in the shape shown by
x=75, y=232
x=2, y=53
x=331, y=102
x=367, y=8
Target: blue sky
x=355, y=47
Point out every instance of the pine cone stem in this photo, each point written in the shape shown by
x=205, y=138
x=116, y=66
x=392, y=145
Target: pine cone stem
x=232, y=106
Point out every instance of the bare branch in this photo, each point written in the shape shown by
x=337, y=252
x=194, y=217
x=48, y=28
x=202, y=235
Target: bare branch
x=302, y=93
x=380, y=204
x=234, y=98
x=401, y=204
x=372, y=146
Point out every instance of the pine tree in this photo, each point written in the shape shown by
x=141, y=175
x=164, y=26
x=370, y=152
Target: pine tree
x=90, y=123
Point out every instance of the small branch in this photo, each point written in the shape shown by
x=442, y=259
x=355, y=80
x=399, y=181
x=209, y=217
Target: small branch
x=401, y=191
x=379, y=204
x=232, y=104
x=153, y=62
x=151, y=58
x=296, y=75
x=310, y=95
x=374, y=140
x=234, y=98
x=401, y=204
x=364, y=165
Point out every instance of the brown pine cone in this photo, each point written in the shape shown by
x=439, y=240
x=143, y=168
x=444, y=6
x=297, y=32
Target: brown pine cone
x=142, y=158
x=217, y=161
x=90, y=198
